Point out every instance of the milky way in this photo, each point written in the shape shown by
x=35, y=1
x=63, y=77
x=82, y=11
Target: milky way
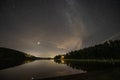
x=58, y=25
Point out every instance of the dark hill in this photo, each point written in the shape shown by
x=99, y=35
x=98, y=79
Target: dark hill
x=10, y=57
x=107, y=50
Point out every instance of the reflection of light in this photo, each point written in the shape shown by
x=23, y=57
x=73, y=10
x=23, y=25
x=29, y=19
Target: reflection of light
x=52, y=60
x=62, y=61
x=27, y=61
x=32, y=78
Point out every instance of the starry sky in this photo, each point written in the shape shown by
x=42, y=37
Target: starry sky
x=50, y=27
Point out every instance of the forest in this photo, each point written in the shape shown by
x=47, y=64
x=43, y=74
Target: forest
x=10, y=57
x=107, y=50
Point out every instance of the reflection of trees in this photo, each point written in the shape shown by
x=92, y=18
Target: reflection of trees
x=59, y=61
x=90, y=66
x=27, y=61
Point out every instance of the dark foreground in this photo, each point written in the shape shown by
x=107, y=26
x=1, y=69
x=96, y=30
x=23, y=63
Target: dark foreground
x=98, y=75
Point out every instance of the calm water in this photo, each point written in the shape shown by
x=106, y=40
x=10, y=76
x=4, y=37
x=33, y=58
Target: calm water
x=50, y=68
x=37, y=69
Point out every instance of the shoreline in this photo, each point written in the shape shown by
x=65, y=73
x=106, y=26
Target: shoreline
x=65, y=77
x=94, y=75
x=91, y=60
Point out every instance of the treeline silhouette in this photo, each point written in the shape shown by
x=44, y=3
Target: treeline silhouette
x=107, y=50
x=10, y=57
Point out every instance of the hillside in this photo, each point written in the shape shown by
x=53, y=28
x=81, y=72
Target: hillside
x=107, y=50
x=10, y=57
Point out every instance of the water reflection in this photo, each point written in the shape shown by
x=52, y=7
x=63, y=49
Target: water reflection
x=40, y=69
x=9, y=63
x=89, y=65
x=95, y=70
x=27, y=61
x=37, y=69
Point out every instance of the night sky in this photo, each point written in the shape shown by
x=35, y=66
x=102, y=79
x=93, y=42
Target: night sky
x=51, y=27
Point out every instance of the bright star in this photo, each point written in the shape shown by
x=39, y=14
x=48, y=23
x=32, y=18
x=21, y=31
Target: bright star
x=38, y=43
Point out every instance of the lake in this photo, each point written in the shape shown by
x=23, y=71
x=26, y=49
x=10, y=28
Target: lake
x=37, y=69
x=48, y=68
